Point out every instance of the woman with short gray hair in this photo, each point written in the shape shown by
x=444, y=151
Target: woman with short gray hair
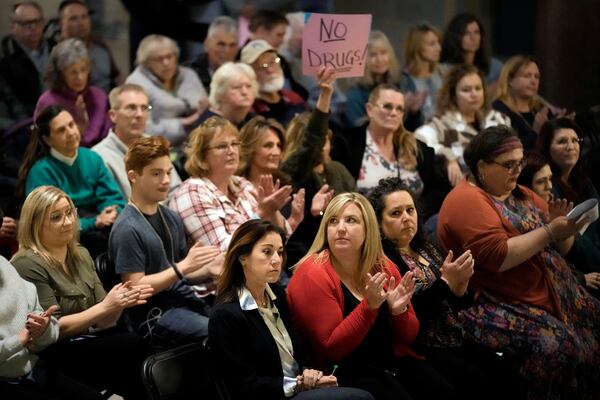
x=67, y=76
x=176, y=94
x=232, y=92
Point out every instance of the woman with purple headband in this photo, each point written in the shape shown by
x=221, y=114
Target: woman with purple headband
x=528, y=305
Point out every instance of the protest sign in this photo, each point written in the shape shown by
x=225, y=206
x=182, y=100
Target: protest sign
x=338, y=41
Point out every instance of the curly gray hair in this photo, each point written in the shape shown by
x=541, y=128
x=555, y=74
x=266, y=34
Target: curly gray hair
x=63, y=55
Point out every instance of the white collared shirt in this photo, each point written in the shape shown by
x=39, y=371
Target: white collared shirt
x=270, y=315
x=62, y=158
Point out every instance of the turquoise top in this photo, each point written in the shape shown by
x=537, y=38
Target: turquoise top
x=88, y=182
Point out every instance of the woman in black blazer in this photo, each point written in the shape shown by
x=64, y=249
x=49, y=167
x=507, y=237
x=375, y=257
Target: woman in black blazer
x=250, y=327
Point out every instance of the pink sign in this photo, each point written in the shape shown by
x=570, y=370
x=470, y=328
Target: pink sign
x=338, y=41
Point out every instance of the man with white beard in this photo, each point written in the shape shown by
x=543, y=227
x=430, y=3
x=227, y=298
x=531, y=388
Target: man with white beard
x=273, y=101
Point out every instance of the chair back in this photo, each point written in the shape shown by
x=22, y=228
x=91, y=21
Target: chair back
x=106, y=271
x=185, y=372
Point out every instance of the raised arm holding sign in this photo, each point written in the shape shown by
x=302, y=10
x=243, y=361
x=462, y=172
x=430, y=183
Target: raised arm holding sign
x=337, y=41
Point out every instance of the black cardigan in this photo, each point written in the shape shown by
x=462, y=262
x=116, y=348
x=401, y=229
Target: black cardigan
x=246, y=353
x=350, y=148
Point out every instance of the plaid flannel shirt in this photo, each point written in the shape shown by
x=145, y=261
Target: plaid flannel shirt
x=209, y=215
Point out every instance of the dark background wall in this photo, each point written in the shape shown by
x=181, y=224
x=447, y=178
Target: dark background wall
x=563, y=35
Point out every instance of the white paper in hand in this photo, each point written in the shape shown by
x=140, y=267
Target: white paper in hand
x=588, y=208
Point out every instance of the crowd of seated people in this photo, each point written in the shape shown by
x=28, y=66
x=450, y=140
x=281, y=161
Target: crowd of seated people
x=295, y=239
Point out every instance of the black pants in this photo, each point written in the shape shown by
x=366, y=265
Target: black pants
x=56, y=387
x=333, y=393
x=406, y=378
x=475, y=370
x=110, y=360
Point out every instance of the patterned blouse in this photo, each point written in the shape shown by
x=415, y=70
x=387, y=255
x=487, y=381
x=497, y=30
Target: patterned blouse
x=209, y=215
x=444, y=330
x=375, y=167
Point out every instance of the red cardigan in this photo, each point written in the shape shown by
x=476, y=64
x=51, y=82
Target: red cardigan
x=317, y=303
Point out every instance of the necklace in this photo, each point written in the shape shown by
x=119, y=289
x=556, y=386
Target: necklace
x=262, y=303
x=165, y=226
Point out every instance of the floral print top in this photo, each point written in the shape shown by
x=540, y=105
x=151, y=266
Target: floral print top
x=375, y=167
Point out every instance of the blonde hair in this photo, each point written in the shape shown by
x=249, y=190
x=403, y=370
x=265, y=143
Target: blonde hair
x=509, y=71
x=250, y=135
x=152, y=44
x=33, y=215
x=413, y=46
x=200, y=137
x=404, y=141
x=378, y=38
x=372, y=259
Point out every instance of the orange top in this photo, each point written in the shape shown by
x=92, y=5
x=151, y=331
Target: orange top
x=469, y=219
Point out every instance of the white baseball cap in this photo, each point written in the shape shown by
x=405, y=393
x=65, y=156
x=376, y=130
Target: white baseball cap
x=255, y=49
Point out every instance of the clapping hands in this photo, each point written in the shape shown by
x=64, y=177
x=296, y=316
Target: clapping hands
x=125, y=295
x=397, y=296
x=297, y=215
x=320, y=200
x=270, y=196
x=36, y=325
x=458, y=272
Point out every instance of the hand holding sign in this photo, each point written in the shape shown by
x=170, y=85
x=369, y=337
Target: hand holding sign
x=328, y=41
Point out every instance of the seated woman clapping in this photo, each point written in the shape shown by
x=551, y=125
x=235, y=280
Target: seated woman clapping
x=213, y=202
x=25, y=330
x=440, y=294
x=353, y=307
x=250, y=328
x=64, y=275
x=528, y=304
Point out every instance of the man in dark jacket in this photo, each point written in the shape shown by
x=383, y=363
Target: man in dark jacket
x=23, y=55
x=220, y=45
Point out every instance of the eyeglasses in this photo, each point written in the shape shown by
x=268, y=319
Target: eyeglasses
x=59, y=217
x=222, y=147
x=512, y=166
x=389, y=107
x=131, y=109
x=30, y=23
x=564, y=141
x=266, y=66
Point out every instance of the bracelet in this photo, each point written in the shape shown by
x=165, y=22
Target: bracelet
x=177, y=272
x=550, y=233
